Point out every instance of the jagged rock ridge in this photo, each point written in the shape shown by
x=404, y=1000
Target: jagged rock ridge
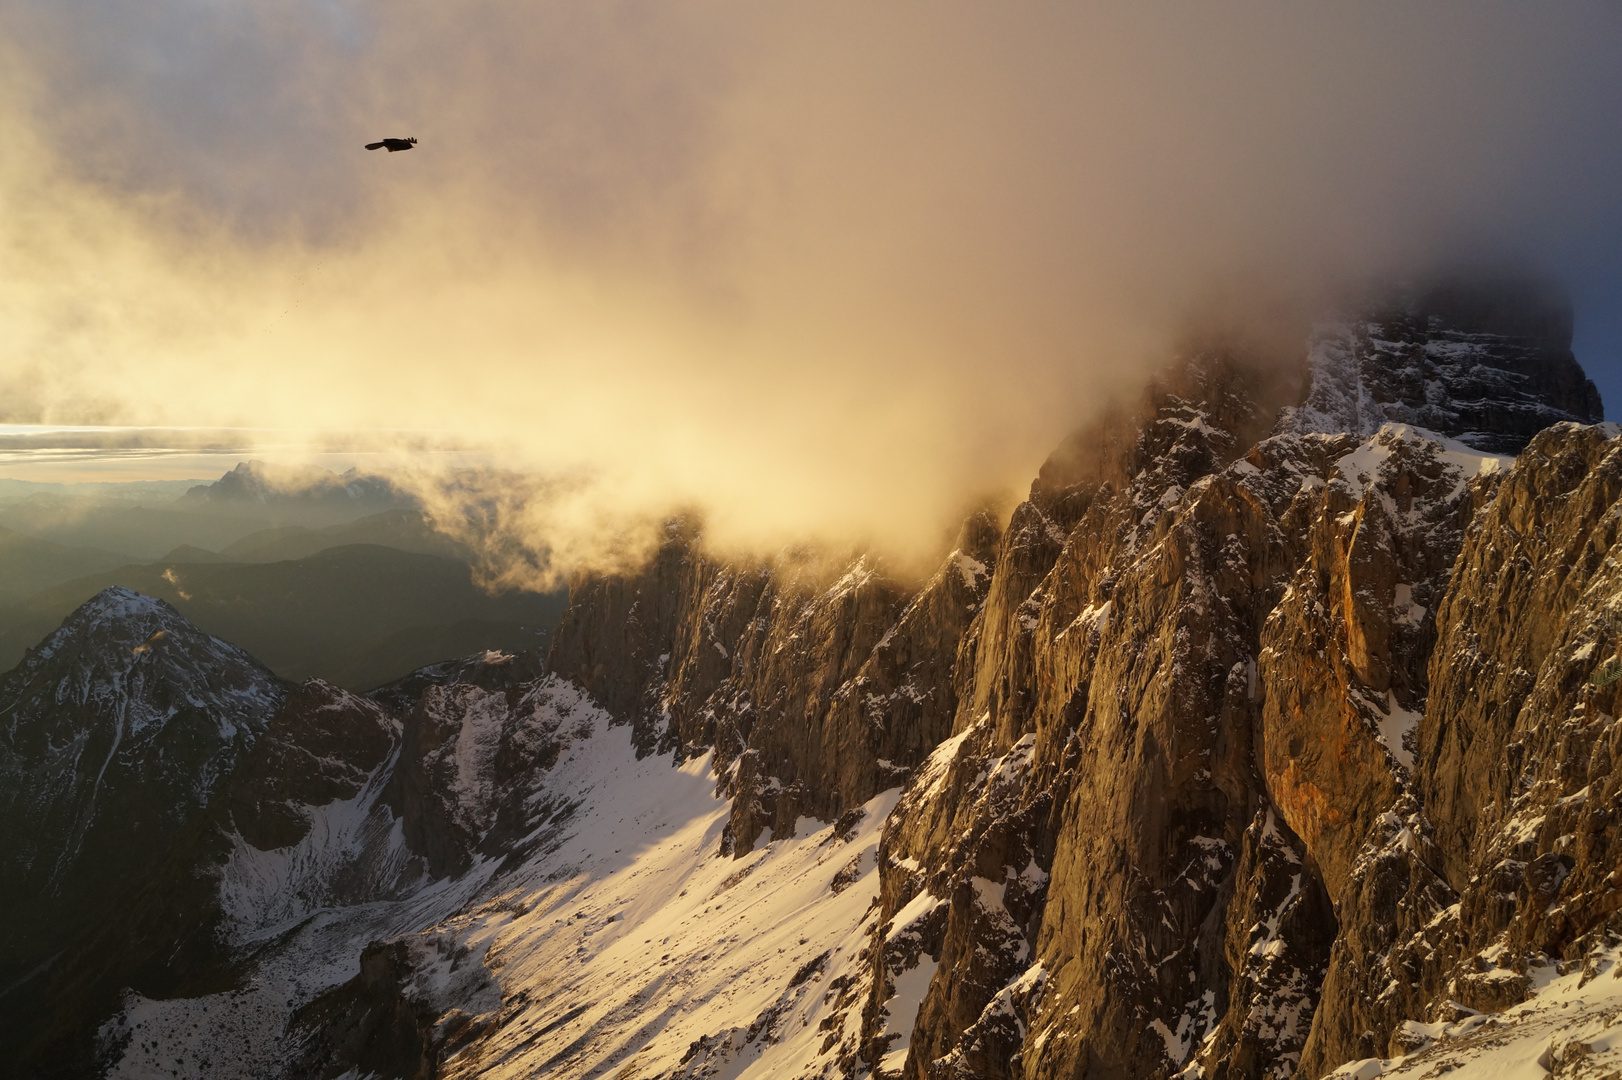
x=258, y=482
x=1246, y=749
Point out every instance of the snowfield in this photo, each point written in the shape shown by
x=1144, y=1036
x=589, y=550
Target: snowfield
x=635, y=943
x=1571, y=1027
x=626, y=941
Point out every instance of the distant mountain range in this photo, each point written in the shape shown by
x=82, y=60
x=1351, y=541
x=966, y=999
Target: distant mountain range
x=251, y=498
x=319, y=574
x=291, y=488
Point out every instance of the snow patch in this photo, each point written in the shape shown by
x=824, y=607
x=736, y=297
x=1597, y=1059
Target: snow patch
x=971, y=569
x=916, y=910
x=1403, y=607
x=902, y=1010
x=1571, y=1018
x=1395, y=726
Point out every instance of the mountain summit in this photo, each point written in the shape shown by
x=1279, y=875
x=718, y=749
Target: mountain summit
x=114, y=733
x=261, y=483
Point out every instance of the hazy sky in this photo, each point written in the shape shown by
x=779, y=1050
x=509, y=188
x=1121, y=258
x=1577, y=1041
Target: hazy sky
x=829, y=267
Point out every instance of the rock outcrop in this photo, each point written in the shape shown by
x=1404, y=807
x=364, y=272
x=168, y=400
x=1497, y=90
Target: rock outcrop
x=1084, y=832
x=817, y=682
x=1505, y=856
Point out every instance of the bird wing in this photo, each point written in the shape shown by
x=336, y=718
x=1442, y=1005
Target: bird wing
x=374, y=146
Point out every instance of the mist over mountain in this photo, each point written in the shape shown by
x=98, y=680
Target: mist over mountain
x=318, y=574
x=250, y=498
x=310, y=489
x=1270, y=735
x=923, y=541
x=897, y=265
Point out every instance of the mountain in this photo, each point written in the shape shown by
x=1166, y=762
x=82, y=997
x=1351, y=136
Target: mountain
x=131, y=491
x=114, y=734
x=1485, y=361
x=137, y=531
x=336, y=605
x=309, y=487
x=28, y=565
x=358, y=615
x=251, y=498
x=1242, y=749
x=186, y=553
x=403, y=530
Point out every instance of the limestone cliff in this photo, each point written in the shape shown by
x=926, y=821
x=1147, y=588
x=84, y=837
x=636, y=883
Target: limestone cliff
x=1185, y=776
x=817, y=682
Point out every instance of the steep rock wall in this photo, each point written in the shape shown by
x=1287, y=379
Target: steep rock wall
x=1169, y=716
x=1183, y=816
x=1484, y=361
x=1095, y=831
x=1503, y=859
x=1139, y=870
x=816, y=683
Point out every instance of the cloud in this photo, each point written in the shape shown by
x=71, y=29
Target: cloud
x=831, y=270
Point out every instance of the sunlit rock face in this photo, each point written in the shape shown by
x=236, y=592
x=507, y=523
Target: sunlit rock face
x=1507, y=859
x=1272, y=734
x=1189, y=705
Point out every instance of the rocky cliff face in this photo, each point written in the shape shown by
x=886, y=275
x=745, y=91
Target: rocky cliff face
x=1187, y=719
x=1225, y=715
x=1483, y=361
x=1502, y=862
x=817, y=682
x=1272, y=734
x=1225, y=770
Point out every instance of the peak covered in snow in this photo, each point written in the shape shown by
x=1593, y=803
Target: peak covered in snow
x=120, y=603
x=120, y=635
x=114, y=733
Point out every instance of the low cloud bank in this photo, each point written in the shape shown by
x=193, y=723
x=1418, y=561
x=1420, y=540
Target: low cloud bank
x=836, y=272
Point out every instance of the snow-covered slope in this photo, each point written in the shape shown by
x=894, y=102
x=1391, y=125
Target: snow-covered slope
x=635, y=943
x=1570, y=1029
x=623, y=938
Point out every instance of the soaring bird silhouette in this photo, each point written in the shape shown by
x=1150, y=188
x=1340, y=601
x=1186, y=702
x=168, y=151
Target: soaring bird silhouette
x=391, y=145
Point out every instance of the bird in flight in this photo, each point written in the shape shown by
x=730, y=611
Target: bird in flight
x=391, y=145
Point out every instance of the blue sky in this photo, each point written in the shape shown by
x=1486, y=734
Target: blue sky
x=1597, y=334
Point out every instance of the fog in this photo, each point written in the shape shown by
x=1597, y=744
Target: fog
x=833, y=272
